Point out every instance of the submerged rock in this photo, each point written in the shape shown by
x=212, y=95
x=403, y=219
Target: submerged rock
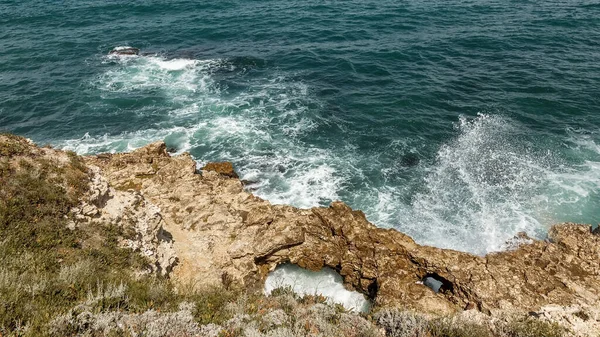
x=125, y=51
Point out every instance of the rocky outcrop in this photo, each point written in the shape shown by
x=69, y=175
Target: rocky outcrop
x=220, y=231
x=202, y=228
x=101, y=203
x=129, y=210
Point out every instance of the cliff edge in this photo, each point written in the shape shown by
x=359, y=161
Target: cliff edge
x=202, y=228
x=220, y=231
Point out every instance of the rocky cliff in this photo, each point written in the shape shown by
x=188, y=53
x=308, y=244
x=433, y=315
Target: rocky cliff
x=202, y=228
x=222, y=233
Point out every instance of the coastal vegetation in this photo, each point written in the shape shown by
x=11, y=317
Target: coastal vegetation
x=57, y=279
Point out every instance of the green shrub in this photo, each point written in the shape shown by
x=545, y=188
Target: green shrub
x=283, y=291
x=11, y=145
x=47, y=268
x=211, y=305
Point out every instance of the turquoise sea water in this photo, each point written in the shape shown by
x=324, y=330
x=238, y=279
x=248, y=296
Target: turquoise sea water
x=457, y=122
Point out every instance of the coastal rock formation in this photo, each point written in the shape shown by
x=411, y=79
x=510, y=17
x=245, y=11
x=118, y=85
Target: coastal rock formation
x=101, y=203
x=201, y=228
x=129, y=210
x=222, y=168
x=222, y=232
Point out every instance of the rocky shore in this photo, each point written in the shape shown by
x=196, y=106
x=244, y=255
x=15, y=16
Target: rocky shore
x=202, y=228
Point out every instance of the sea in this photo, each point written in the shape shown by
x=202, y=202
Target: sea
x=458, y=122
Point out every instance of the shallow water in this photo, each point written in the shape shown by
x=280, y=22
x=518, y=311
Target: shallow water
x=457, y=122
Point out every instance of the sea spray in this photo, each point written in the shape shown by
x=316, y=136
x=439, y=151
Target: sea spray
x=490, y=183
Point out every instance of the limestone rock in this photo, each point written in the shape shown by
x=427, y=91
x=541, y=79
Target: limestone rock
x=219, y=228
x=128, y=209
x=222, y=168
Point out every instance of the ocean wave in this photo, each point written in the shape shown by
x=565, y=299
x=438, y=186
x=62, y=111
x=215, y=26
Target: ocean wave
x=483, y=186
x=260, y=128
x=490, y=183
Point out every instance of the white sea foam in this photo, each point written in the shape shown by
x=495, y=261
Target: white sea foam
x=488, y=184
x=124, y=142
x=122, y=47
x=326, y=282
x=259, y=129
x=174, y=65
x=484, y=186
x=175, y=77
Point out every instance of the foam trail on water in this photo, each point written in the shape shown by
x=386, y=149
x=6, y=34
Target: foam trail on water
x=326, y=282
x=177, y=78
x=127, y=141
x=261, y=128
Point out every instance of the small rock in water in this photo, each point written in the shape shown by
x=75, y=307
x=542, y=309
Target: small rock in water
x=521, y=238
x=125, y=51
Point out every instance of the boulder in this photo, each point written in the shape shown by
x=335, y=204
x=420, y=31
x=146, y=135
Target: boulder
x=222, y=168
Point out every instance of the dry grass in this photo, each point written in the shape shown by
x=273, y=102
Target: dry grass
x=531, y=327
x=46, y=268
x=55, y=281
x=406, y=323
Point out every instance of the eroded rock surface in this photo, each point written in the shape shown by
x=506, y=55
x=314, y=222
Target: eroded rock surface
x=222, y=168
x=220, y=231
x=130, y=210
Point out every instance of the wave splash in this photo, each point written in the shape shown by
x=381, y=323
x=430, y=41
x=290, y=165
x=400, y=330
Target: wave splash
x=325, y=282
x=491, y=183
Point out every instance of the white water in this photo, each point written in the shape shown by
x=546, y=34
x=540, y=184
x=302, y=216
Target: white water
x=325, y=282
x=258, y=129
x=489, y=184
x=484, y=185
